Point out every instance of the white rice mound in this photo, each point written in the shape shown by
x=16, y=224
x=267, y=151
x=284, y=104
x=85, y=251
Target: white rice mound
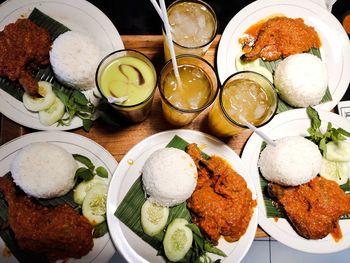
x=169, y=176
x=293, y=161
x=301, y=80
x=74, y=58
x=44, y=170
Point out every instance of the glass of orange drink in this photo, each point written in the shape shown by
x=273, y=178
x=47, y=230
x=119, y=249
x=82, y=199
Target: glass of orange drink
x=244, y=96
x=193, y=26
x=198, y=87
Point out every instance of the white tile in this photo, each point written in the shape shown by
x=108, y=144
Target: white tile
x=258, y=252
x=282, y=253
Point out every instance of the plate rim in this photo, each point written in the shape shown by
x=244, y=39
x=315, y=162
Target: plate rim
x=225, y=40
x=6, y=100
x=108, y=249
x=117, y=235
x=268, y=224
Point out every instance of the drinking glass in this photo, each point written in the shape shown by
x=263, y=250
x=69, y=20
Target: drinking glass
x=193, y=25
x=128, y=80
x=245, y=96
x=182, y=102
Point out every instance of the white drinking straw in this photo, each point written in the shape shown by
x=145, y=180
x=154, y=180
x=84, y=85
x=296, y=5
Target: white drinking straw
x=258, y=132
x=170, y=41
x=157, y=8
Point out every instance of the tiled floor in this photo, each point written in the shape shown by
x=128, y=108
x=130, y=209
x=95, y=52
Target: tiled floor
x=268, y=250
x=272, y=251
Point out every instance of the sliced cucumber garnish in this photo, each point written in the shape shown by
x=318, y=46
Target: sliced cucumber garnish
x=153, y=218
x=81, y=190
x=263, y=71
x=42, y=103
x=53, y=114
x=177, y=240
x=338, y=151
x=94, y=204
x=335, y=171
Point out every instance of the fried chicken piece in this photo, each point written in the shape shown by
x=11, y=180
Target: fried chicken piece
x=222, y=204
x=313, y=208
x=24, y=47
x=56, y=232
x=282, y=37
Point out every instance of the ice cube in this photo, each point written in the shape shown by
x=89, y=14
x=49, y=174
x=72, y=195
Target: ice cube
x=259, y=111
x=200, y=21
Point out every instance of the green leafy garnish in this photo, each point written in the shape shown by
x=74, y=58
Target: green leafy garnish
x=100, y=230
x=84, y=174
x=319, y=138
x=84, y=160
x=88, y=172
x=76, y=105
x=102, y=172
x=201, y=246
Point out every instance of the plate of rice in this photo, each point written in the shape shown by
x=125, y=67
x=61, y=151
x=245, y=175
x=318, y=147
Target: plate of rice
x=71, y=143
x=92, y=36
x=291, y=125
x=334, y=51
x=138, y=159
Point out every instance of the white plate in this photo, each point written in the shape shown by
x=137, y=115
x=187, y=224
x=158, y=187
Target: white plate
x=335, y=50
x=103, y=248
x=78, y=15
x=132, y=247
x=290, y=123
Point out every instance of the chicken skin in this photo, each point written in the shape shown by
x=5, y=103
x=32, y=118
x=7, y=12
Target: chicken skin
x=314, y=208
x=55, y=232
x=222, y=204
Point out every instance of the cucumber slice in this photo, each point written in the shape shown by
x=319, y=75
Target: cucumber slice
x=335, y=171
x=338, y=151
x=263, y=71
x=153, y=218
x=253, y=66
x=43, y=103
x=94, y=204
x=53, y=114
x=81, y=189
x=241, y=65
x=177, y=240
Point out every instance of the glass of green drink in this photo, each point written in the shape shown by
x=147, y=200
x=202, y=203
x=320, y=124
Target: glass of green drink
x=128, y=80
x=184, y=99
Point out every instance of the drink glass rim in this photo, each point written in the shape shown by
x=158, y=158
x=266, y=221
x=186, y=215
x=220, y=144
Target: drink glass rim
x=211, y=10
x=209, y=102
x=228, y=116
x=119, y=51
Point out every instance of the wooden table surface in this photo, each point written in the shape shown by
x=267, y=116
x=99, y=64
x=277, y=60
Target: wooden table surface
x=118, y=141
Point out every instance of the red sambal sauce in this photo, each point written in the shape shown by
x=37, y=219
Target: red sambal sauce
x=284, y=36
